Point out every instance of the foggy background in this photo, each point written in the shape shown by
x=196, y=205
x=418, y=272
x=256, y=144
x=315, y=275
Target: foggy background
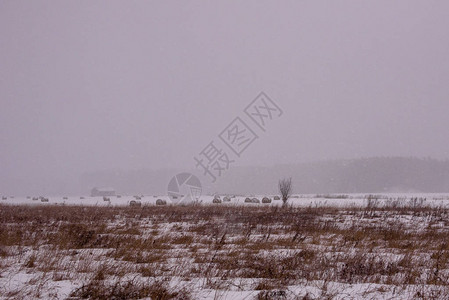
x=125, y=94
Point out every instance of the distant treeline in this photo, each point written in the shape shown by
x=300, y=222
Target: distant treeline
x=383, y=174
x=366, y=175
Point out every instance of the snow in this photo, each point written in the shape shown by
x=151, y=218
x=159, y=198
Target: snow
x=299, y=200
x=29, y=283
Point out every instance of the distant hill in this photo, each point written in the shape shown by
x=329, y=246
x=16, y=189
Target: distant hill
x=367, y=175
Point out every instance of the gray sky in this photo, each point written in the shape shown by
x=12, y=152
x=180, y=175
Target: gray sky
x=117, y=84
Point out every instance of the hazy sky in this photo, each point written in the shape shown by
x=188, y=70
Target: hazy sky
x=90, y=85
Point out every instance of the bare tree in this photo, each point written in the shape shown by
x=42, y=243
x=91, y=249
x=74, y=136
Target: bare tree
x=285, y=188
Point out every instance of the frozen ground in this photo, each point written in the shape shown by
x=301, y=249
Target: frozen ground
x=352, y=246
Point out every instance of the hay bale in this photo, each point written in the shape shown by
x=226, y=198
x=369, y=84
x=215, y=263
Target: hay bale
x=161, y=202
x=135, y=203
x=216, y=200
x=277, y=198
x=248, y=200
x=255, y=200
x=44, y=199
x=266, y=200
x=226, y=199
x=106, y=199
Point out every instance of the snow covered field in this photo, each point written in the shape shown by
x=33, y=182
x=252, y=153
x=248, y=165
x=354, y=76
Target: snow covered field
x=385, y=246
x=300, y=200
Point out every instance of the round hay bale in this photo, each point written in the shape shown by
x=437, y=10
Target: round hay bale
x=277, y=198
x=266, y=200
x=135, y=203
x=248, y=200
x=255, y=200
x=216, y=200
x=161, y=202
x=226, y=199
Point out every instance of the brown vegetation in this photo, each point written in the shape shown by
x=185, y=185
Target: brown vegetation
x=274, y=247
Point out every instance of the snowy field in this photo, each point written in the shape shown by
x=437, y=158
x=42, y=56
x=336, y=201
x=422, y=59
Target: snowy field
x=300, y=200
x=346, y=246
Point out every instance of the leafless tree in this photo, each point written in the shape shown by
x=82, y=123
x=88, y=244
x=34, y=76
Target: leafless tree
x=285, y=189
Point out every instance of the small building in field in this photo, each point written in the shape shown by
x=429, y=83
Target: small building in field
x=102, y=192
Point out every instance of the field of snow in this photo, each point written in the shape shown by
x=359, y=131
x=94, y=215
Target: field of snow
x=349, y=246
x=299, y=200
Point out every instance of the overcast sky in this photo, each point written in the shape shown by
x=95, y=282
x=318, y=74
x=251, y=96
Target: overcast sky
x=90, y=85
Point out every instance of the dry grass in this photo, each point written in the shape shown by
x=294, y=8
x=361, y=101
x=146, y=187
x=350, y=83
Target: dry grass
x=225, y=248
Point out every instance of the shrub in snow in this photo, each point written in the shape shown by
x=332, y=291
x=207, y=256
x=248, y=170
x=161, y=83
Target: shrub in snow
x=106, y=199
x=285, y=189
